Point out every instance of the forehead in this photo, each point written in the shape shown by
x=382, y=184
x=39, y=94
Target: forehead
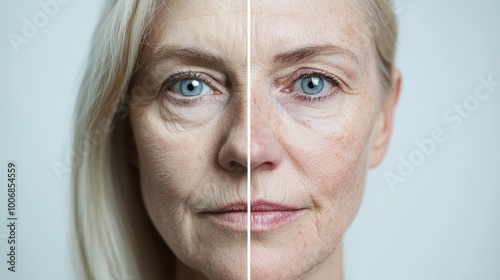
x=281, y=25
x=218, y=27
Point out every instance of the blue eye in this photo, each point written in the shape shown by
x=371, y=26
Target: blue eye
x=191, y=87
x=312, y=85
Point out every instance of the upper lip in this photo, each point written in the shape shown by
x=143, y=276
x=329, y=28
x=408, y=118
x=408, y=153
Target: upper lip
x=255, y=206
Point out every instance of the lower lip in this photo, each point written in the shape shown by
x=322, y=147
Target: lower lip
x=261, y=221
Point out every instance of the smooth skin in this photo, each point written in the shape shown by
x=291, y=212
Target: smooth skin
x=308, y=150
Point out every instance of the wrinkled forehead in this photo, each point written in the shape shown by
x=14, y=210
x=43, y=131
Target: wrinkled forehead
x=217, y=27
x=280, y=25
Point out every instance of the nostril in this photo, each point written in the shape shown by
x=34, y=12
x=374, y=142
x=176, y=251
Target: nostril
x=236, y=168
x=232, y=155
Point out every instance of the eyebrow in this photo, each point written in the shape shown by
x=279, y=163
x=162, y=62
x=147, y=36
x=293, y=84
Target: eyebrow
x=298, y=55
x=187, y=55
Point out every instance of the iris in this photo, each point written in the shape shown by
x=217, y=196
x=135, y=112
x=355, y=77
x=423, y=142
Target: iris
x=312, y=85
x=191, y=87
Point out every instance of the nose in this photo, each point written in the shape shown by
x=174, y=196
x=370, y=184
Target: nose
x=266, y=150
x=233, y=154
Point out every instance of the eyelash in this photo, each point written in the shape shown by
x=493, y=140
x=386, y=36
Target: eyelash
x=182, y=75
x=334, y=80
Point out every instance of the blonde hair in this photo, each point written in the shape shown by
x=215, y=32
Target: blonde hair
x=114, y=237
x=383, y=29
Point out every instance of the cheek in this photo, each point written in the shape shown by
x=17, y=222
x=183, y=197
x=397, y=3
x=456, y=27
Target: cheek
x=172, y=155
x=334, y=167
x=345, y=163
x=173, y=166
x=179, y=176
x=169, y=163
x=334, y=161
x=332, y=164
x=337, y=175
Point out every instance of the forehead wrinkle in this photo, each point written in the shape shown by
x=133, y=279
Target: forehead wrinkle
x=224, y=8
x=297, y=55
x=191, y=56
x=336, y=22
x=203, y=45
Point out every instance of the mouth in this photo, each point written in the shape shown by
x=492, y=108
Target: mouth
x=264, y=216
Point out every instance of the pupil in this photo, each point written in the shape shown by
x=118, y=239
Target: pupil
x=312, y=85
x=191, y=87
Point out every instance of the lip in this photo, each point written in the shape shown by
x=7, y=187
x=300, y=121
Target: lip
x=264, y=216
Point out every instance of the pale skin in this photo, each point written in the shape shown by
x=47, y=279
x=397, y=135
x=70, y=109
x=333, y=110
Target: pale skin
x=307, y=150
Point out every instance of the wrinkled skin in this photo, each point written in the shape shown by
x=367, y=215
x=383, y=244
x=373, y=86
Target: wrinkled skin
x=308, y=151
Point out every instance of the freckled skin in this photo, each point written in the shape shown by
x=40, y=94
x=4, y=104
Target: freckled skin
x=311, y=155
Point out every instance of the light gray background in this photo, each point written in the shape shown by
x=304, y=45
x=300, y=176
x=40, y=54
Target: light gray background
x=441, y=223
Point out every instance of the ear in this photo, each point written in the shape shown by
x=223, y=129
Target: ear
x=383, y=127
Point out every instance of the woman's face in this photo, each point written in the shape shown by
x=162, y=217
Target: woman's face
x=316, y=127
x=318, y=122
x=191, y=139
